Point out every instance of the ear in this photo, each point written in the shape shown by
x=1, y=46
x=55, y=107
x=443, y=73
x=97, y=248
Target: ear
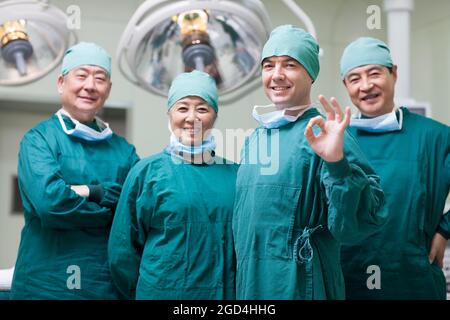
x=109, y=90
x=394, y=72
x=60, y=84
x=169, y=114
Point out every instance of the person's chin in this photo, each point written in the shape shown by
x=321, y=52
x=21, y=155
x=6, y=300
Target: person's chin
x=280, y=101
x=371, y=110
x=188, y=141
x=282, y=104
x=86, y=106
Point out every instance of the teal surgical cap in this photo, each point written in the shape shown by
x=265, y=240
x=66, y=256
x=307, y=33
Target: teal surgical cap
x=195, y=83
x=85, y=53
x=364, y=51
x=288, y=40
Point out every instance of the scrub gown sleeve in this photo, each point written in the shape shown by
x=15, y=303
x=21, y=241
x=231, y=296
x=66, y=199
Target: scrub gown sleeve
x=134, y=158
x=107, y=194
x=41, y=182
x=127, y=237
x=355, y=198
x=444, y=225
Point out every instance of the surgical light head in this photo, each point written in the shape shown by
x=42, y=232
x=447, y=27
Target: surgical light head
x=14, y=44
x=33, y=38
x=165, y=38
x=198, y=53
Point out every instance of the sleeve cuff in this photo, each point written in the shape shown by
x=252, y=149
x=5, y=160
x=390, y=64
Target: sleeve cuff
x=95, y=192
x=339, y=169
x=443, y=233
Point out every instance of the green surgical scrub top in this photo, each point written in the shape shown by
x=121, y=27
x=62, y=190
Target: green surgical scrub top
x=171, y=237
x=288, y=223
x=414, y=167
x=63, y=246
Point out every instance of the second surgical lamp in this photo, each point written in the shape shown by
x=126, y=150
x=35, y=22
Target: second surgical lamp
x=33, y=38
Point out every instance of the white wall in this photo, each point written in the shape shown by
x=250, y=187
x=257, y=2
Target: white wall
x=13, y=125
x=338, y=22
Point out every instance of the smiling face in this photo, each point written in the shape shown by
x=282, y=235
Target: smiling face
x=191, y=118
x=371, y=89
x=286, y=82
x=84, y=91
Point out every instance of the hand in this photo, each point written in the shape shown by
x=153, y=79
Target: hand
x=81, y=190
x=437, y=250
x=329, y=143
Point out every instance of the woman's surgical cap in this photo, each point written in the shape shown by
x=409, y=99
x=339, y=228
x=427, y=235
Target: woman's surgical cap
x=195, y=83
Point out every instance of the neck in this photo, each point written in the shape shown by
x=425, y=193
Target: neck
x=301, y=106
x=82, y=117
x=381, y=112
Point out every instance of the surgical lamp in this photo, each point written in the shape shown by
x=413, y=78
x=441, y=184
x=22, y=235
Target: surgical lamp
x=165, y=38
x=222, y=37
x=33, y=38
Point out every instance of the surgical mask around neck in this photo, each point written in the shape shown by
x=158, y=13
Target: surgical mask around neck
x=175, y=145
x=277, y=118
x=82, y=131
x=208, y=145
x=385, y=123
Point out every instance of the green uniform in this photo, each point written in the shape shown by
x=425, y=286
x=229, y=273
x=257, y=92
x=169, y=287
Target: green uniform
x=4, y=295
x=414, y=167
x=63, y=248
x=172, y=237
x=288, y=226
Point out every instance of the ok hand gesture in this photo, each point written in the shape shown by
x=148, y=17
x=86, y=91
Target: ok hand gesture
x=329, y=143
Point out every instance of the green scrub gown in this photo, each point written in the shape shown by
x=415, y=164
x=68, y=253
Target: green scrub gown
x=171, y=237
x=63, y=247
x=288, y=226
x=414, y=167
x=4, y=295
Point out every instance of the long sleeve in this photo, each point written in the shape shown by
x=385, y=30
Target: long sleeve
x=107, y=194
x=356, y=200
x=444, y=225
x=127, y=238
x=47, y=194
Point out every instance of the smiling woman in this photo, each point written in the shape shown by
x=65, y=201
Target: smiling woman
x=175, y=216
x=191, y=119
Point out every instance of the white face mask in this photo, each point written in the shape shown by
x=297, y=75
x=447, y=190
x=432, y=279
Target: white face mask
x=82, y=131
x=277, y=118
x=385, y=123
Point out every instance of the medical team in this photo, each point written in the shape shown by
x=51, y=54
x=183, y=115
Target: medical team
x=185, y=224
